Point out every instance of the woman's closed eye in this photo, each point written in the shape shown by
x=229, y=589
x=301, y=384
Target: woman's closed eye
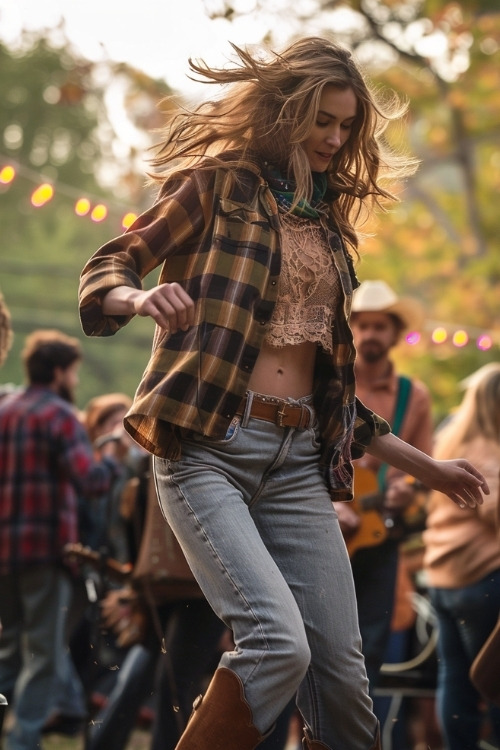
x=343, y=125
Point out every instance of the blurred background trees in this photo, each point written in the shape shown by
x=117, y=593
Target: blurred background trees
x=82, y=128
x=441, y=242
x=86, y=126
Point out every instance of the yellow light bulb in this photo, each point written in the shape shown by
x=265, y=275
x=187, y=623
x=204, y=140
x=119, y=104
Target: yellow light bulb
x=128, y=220
x=460, y=338
x=439, y=335
x=42, y=195
x=82, y=206
x=7, y=174
x=99, y=212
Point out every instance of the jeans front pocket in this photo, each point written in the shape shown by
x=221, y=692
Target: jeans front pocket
x=229, y=437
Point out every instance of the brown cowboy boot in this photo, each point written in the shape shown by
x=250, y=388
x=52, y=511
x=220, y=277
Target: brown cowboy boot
x=221, y=719
x=309, y=744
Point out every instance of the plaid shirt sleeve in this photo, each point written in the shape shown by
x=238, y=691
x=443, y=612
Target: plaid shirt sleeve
x=220, y=236
x=76, y=460
x=174, y=222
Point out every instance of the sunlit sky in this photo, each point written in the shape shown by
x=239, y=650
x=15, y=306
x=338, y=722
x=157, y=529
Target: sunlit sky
x=156, y=36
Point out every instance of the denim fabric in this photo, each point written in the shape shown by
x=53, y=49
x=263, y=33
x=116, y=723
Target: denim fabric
x=374, y=570
x=34, y=603
x=466, y=616
x=192, y=633
x=257, y=525
x=112, y=725
x=192, y=637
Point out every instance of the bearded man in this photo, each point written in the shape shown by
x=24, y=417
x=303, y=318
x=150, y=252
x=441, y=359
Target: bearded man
x=379, y=319
x=46, y=462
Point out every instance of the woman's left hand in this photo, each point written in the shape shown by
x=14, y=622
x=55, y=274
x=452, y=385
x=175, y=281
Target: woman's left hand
x=457, y=478
x=460, y=480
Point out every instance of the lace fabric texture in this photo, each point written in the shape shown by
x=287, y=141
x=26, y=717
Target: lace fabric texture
x=309, y=286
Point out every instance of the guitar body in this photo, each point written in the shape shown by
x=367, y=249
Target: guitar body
x=367, y=503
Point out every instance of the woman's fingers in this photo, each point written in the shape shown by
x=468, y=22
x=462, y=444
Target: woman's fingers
x=463, y=483
x=470, y=486
x=169, y=305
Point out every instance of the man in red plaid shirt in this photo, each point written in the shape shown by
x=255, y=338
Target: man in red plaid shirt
x=46, y=463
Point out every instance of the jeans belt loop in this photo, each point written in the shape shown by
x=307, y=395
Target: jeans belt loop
x=304, y=417
x=248, y=409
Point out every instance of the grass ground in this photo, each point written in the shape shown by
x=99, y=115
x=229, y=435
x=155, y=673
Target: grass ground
x=140, y=740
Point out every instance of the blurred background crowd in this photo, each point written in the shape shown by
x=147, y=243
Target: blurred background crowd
x=133, y=641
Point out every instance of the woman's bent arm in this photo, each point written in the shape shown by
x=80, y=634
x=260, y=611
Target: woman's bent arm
x=167, y=304
x=456, y=478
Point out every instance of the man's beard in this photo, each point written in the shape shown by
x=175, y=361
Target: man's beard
x=371, y=352
x=65, y=393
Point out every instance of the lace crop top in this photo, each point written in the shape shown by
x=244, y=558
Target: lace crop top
x=309, y=286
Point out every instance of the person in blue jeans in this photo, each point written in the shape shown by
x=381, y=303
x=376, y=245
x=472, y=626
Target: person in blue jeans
x=192, y=634
x=46, y=463
x=462, y=563
x=6, y=337
x=248, y=402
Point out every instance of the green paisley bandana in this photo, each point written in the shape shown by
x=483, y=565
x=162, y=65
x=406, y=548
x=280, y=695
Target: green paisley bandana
x=284, y=190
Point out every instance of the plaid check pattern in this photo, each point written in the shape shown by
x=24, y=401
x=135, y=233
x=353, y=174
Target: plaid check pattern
x=216, y=232
x=46, y=466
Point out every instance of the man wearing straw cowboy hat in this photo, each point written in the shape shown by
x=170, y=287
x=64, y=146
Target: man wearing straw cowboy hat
x=379, y=319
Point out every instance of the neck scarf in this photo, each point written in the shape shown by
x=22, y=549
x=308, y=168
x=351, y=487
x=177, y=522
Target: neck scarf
x=284, y=191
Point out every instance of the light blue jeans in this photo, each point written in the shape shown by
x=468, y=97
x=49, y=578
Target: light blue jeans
x=33, y=647
x=466, y=616
x=257, y=525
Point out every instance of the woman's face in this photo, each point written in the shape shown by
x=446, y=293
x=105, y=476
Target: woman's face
x=336, y=115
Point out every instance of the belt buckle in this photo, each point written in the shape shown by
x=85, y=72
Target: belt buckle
x=280, y=415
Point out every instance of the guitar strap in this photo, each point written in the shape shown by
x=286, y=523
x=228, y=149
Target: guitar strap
x=404, y=391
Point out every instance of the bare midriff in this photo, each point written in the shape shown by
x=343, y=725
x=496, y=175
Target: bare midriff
x=302, y=319
x=284, y=372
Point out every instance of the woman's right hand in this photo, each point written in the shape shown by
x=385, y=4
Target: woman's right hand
x=169, y=305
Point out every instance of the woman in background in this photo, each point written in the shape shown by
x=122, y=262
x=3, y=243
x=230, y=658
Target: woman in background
x=462, y=561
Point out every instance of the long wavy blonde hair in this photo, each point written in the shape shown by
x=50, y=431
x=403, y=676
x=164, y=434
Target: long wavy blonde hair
x=477, y=416
x=266, y=109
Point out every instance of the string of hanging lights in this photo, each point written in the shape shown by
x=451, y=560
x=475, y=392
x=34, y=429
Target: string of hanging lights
x=84, y=205
x=434, y=332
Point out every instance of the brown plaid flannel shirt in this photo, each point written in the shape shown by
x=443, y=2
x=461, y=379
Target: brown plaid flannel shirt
x=216, y=232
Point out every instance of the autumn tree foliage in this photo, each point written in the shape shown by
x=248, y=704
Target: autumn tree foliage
x=61, y=124
x=440, y=242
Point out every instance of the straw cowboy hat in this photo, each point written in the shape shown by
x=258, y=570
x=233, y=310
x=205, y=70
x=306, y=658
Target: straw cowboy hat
x=377, y=296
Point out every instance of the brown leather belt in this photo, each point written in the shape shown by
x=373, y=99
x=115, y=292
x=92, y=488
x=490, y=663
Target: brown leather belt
x=275, y=410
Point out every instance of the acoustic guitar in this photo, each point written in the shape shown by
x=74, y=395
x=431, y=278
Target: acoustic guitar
x=367, y=504
x=376, y=523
